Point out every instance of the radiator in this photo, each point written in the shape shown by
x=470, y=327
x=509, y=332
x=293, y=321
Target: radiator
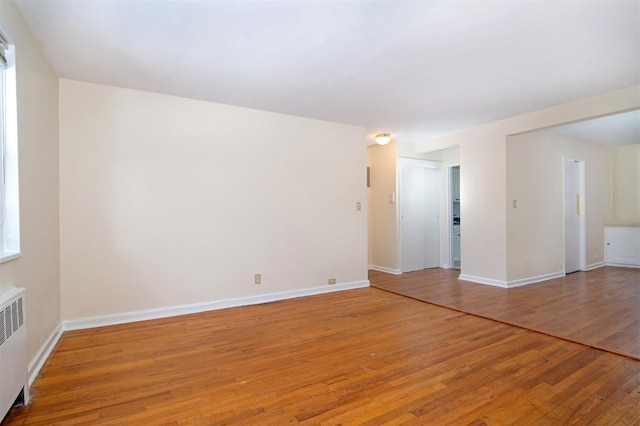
x=13, y=350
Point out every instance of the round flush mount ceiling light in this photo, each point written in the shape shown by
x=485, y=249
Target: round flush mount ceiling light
x=383, y=138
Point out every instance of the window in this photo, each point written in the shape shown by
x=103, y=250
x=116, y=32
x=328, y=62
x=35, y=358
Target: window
x=9, y=202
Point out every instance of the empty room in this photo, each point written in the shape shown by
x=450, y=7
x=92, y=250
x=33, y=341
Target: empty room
x=319, y=212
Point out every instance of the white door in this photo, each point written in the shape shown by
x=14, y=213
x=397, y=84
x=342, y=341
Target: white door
x=412, y=213
x=573, y=215
x=432, y=212
x=419, y=206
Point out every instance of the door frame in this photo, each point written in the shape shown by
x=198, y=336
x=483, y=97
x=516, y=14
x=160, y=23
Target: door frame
x=582, y=226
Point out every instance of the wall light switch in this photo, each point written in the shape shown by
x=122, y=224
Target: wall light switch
x=358, y=206
x=515, y=204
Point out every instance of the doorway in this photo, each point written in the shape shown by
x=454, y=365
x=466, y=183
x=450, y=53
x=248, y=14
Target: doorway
x=574, y=215
x=455, y=259
x=419, y=214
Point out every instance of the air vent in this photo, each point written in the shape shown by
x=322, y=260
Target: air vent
x=20, y=313
x=7, y=321
x=11, y=319
x=1, y=328
x=14, y=316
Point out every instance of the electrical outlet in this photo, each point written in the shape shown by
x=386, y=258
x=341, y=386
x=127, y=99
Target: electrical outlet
x=358, y=206
x=257, y=278
x=332, y=280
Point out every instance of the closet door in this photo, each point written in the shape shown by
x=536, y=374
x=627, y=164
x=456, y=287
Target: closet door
x=573, y=215
x=419, y=212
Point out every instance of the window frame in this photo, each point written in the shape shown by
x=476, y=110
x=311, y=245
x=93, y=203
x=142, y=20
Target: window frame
x=9, y=189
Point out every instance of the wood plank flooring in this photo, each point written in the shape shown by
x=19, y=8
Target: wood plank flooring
x=356, y=357
x=600, y=308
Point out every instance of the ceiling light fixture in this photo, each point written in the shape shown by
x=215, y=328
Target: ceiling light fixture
x=383, y=138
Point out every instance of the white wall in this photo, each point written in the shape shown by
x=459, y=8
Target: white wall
x=535, y=229
x=37, y=99
x=451, y=155
x=445, y=156
x=169, y=201
x=483, y=230
x=483, y=176
x=383, y=226
x=626, y=189
x=408, y=150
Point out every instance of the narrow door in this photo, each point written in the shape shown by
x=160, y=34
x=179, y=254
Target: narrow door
x=432, y=211
x=412, y=214
x=573, y=215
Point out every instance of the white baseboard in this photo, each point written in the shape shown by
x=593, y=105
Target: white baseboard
x=623, y=265
x=385, y=269
x=41, y=357
x=171, y=311
x=536, y=279
x=512, y=283
x=594, y=266
x=482, y=280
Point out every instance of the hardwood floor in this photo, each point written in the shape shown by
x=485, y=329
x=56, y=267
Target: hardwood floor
x=600, y=308
x=363, y=356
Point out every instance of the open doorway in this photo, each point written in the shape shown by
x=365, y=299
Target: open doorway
x=454, y=209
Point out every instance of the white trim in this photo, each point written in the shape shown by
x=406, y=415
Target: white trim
x=171, y=311
x=623, y=265
x=481, y=280
x=8, y=256
x=513, y=283
x=536, y=279
x=385, y=269
x=593, y=266
x=43, y=354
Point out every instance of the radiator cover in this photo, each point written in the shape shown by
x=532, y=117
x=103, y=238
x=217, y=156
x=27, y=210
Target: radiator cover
x=13, y=349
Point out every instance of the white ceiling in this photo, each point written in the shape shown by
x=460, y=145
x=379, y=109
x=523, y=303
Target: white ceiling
x=614, y=130
x=415, y=69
